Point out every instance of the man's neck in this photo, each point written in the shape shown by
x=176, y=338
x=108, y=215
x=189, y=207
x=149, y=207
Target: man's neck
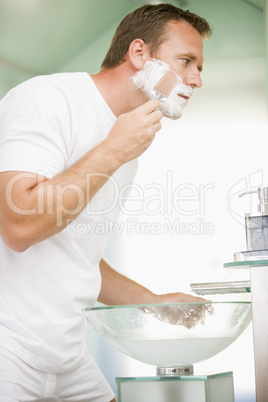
x=117, y=89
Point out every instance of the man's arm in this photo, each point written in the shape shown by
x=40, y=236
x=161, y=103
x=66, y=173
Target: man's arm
x=116, y=289
x=33, y=208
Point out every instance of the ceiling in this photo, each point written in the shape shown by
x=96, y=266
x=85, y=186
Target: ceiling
x=45, y=36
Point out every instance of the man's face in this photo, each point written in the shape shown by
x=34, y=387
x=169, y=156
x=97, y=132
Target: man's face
x=182, y=50
x=158, y=81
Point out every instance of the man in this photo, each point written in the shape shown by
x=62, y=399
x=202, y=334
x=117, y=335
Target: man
x=68, y=145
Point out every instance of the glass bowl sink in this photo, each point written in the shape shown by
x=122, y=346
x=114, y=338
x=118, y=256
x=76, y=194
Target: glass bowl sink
x=171, y=335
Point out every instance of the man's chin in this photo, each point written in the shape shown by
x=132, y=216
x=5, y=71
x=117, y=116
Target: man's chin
x=171, y=110
x=172, y=115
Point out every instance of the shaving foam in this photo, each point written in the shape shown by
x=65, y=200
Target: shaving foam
x=147, y=78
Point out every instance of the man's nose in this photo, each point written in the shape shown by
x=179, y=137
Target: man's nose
x=194, y=80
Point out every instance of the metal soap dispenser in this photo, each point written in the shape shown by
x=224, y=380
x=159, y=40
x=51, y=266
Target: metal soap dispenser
x=256, y=225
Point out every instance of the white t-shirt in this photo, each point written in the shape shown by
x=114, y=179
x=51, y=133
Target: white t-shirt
x=46, y=125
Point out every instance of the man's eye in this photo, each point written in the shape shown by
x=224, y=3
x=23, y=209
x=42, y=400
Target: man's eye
x=186, y=61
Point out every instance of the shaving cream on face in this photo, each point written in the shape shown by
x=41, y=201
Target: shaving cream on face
x=146, y=79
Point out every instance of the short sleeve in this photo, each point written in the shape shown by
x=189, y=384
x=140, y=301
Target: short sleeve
x=35, y=129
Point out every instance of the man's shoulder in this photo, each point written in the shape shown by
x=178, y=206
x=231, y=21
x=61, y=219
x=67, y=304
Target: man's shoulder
x=57, y=79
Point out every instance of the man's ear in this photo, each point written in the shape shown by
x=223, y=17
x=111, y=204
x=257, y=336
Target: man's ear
x=138, y=53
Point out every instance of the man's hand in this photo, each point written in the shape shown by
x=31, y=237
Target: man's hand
x=116, y=289
x=188, y=315
x=134, y=132
x=178, y=297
